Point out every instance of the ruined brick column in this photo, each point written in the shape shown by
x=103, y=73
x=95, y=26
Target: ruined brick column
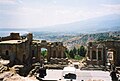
x=97, y=56
x=57, y=53
x=38, y=53
x=90, y=53
x=63, y=52
x=48, y=53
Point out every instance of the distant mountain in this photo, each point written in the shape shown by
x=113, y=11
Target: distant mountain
x=95, y=25
x=78, y=40
x=99, y=24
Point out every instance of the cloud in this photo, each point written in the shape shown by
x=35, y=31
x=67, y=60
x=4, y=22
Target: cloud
x=8, y=1
x=112, y=8
x=22, y=15
x=46, y=16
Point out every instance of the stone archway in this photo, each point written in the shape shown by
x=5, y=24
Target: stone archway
x=54, y=49
x=44, y=52
x=39, y=54
x=110, y=51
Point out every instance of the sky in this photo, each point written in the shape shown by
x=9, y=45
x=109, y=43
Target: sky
x=41, y=13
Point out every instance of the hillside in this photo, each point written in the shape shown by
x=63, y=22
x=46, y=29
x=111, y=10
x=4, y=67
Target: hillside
x=83, y=39
x=53, y=36
x=72, y=40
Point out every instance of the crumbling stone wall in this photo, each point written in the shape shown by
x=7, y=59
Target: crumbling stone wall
x=55, y=50
x=20, y=52
x=106, y=46
x=8, y=52
x=13, y=36
x=23, y=50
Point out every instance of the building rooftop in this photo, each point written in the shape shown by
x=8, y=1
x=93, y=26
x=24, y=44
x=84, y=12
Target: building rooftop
x=12, y=42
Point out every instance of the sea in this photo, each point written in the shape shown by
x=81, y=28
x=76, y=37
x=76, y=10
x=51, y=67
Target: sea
x=4, y=33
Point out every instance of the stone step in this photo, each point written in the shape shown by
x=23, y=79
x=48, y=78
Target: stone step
x=3, y=68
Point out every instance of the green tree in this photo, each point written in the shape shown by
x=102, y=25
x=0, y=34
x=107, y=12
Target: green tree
x=71, y=54
x=74, y=51
x=44, y=53
x=78, y=57
x=67, y=53
x=78, y=51
x=82, y=51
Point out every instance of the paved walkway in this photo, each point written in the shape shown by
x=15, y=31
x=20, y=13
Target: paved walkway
x=93, y=76
x=81, y=75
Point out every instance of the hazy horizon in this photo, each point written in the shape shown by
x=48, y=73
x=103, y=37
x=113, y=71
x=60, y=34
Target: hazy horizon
x=41, y=13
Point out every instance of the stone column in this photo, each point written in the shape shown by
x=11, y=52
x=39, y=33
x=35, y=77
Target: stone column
x=39, y=53
x=102, y=54
x=48, y=54
x=114, y=57
x=106, y=51
x=56, y=51
x=62, y=54
x=64, y=49
x=97, y=55
x=90, y=53
x=52, y=52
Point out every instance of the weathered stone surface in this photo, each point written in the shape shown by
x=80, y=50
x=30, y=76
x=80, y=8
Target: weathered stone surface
x=19, y=78
x=104, y=52
x=5, y=75
x=3, y=68
x=21, y=50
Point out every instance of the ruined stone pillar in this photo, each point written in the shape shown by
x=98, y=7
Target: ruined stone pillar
x=55, y=52
x=39, y=53
x=114, y=57
x=48, y=54
x=62, y=52
x=52, y=51
x=106, y=51
x=90, y=53
x=97, y=55
x=102, y=54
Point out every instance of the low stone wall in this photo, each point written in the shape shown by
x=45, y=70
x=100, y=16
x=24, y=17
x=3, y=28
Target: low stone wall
x=59, y=61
